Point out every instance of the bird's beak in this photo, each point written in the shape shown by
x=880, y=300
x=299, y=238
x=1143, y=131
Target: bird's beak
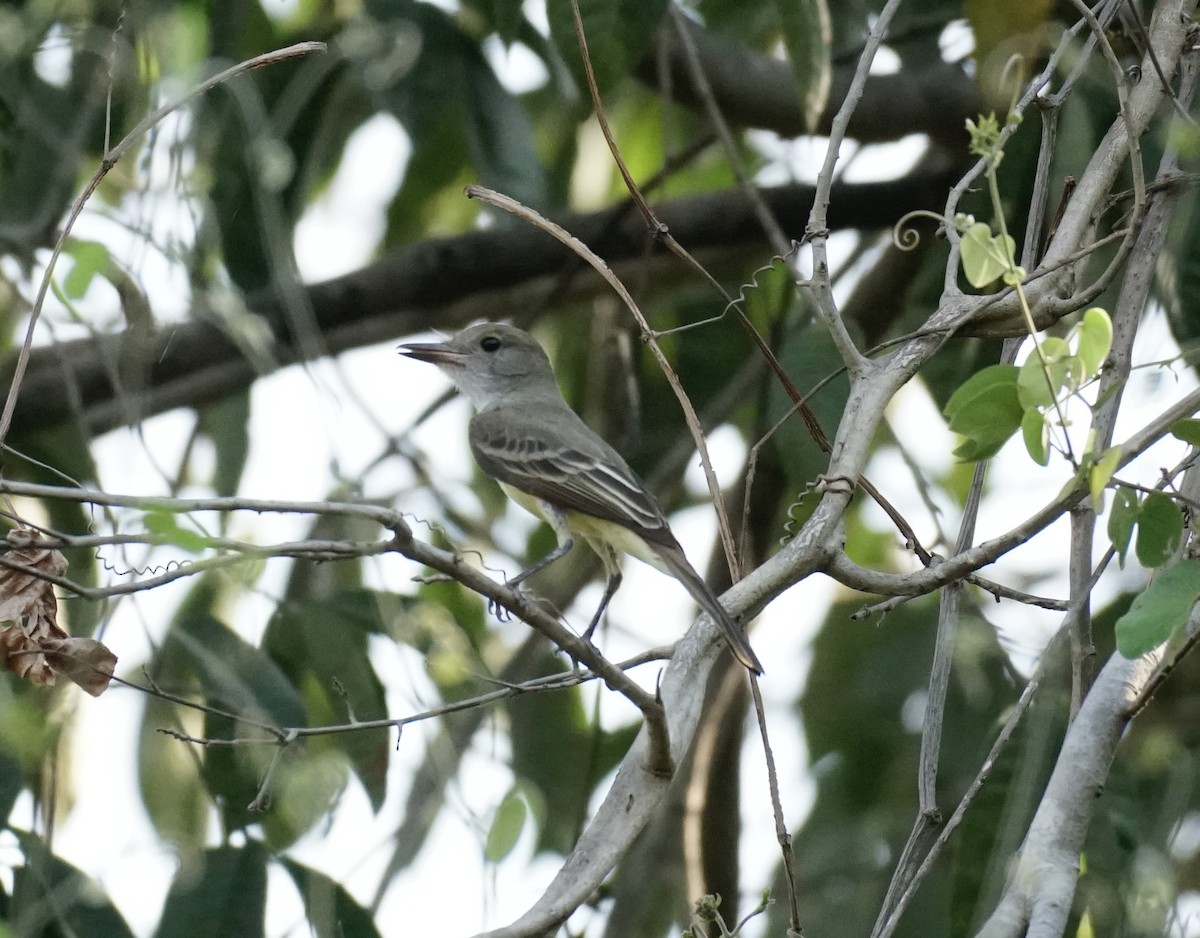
x=435, y=353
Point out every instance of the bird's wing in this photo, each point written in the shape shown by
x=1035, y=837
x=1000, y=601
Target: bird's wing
x=571, y=468
x=575, y=470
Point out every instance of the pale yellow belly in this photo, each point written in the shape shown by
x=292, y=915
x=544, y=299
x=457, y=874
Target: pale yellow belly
x=592, y=529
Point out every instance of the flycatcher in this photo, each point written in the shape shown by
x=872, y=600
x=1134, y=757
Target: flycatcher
x=526, y=437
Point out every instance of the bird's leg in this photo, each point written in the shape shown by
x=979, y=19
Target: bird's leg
x=558, y=521
x=515, y=583
x=612, y=569
x=557, y=554
x=610, y=588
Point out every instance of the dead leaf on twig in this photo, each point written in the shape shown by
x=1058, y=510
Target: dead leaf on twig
x=34, y=646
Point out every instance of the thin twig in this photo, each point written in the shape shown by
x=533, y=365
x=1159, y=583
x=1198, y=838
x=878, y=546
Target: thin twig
x=402, y=542
x=714, y=486
x=818, y=220
x=283, y=735
x=782, y=835
x=889, y=919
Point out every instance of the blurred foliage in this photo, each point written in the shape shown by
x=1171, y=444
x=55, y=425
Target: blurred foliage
x=246, y=162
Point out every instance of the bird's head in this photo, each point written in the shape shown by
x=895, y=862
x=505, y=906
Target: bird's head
x=490, y=363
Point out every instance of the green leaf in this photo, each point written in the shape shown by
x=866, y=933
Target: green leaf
x=1178, y=283
x=51, y=898
x=435, y=80
x=164, y=525
x=506, y=16
x=169, y=780
x=806, y=352
x=984, y=445
x=271, y=137
x=306, y=785
x=91, y=258
x=1065, y=374
x=1187, y=430
x=506, y=826
x=225, y=896
x=1055, y=349
x=322, y=647
x=984, y=256
x=618, y=33
x=499, y=134
x=237, y=678
x=1095, y=339
x=227, y=424
x=1160, y=526
x=808, y=35
x=980, y=383
x=331, y=911
x=466, y=610
x=560, y=756
x=985, y=410
x=1101, y=472
x=1036, y=435
x=44, y=152
x=11, y=783
x=234, y=675
x=1121, y=520
x=431, y=195
x=1160, y=611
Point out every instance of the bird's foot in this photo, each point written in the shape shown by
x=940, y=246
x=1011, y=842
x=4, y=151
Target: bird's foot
x=499, y=610
x=502, y=612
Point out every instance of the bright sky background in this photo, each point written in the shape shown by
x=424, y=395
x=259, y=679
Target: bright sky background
x=307, y=420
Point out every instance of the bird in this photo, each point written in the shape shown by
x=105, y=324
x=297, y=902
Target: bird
x=525, y=436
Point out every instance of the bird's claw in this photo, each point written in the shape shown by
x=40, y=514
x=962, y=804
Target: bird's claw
x=499, y=610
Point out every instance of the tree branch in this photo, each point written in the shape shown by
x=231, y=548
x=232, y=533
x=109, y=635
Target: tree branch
x=756, y=90
x=1040, y=890
x=443, y=283
x=1050, y=288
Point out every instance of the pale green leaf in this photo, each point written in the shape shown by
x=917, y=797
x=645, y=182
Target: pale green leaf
x=1122, y=519
x=506, y=827
x=1102, y=471
x=1041, y=386
x=984, y=256
x=164, y=525
x=1095, y=339
x=1187, y=430
x=1036, y=435
x=1160, y=610
x=91, y=258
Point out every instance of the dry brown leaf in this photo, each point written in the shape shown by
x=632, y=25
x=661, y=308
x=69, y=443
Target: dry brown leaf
x=85, y=661
x=35, y=646
x=23, y=656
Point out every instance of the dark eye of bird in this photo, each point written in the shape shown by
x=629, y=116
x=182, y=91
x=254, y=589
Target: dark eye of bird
x=489, y=343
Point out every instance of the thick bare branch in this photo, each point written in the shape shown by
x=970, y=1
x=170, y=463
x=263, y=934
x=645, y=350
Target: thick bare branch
x=1038, y=898
x=440, y=283
x=755, y=90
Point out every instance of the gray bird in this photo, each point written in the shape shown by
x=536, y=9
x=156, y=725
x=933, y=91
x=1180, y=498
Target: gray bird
x=526, y=437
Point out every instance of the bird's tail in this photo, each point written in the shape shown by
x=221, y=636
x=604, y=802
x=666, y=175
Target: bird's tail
x=734, y=634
